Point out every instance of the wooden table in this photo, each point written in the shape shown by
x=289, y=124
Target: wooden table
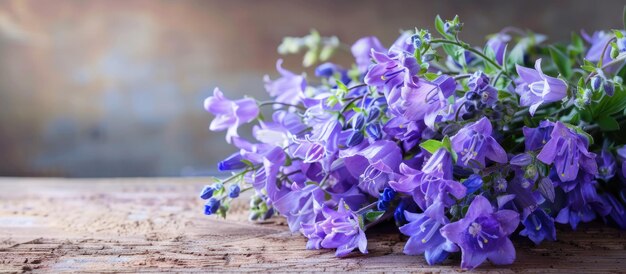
x=135, y=225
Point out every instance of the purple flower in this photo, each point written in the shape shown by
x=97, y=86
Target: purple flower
x=483, y=234
x=233, y=162
x=338, y=229
x=598, y=42
x=374, y=164
x=425, y=238
x=392, y=72
x=423, y=100
x=539, y=226
x=582, y=204
x=618, y=213
x=362, y=50
x=432, y=186
x=537, y=88
x=298, y=205
x=535, y=138
x=288, y=88
x=606, y=165
x=568, y=151
x=230, y=114
x=473, y=143
x=498, y=43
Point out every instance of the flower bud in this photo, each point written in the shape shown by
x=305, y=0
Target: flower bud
x=358, y=122
x=373, y=114
x=355, y=138
x=374, y=131
x=609, y=88
x=211, y=206
x=596, y=83
x=234, y=191
x=207, y=192
x=523, y=159
x=233, y=162
x=546, y=188
x=416, y=40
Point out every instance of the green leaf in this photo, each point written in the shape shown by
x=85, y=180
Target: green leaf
x=562, y=62
x=610, y=105
x=373, y=215
x=439, y=27
x=431, y=145
x=608, y=123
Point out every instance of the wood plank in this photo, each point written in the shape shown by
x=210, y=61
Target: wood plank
x=148, y=225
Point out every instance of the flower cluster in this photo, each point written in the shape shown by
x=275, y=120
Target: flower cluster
x=463, y=146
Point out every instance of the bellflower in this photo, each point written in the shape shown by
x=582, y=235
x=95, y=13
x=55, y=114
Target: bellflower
x=230, y=114
x=392, y=72
x=288, y=88
x=568, y=151
x=582, y=204
x=483, y=234
x=362, y=50
x=473, y=143
x=433, y=185
x=539, y=226
x=498, y=43
x=425, y=238
x=338, y=229
x=298, y=205
x=537, y=88
x=535, y=138
x=606, y=165
x=373, y=164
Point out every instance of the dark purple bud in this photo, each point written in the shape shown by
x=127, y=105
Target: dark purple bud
x=233, y=162
x=472, y=96
x=546, y=188
x=469, y=115
x=596, y=83
x=523, y=159
x=374, y=131
x=211, y=206
x=416, y=41
x=325, y=70
x=473, y=183
x=207, y=192
x=373, y=114
x=355, y=138
x=398, y=214
x=388, y=194
x=358, y=122
x=469, y=106
x=234, y=191
x=609, y=88
x=478, y=81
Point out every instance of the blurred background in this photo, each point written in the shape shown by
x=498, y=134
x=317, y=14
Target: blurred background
x=115, y=88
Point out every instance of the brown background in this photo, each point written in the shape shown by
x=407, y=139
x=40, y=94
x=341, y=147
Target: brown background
x=115, y=88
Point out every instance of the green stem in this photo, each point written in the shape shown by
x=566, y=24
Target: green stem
x=271, y=103
x=473, y=50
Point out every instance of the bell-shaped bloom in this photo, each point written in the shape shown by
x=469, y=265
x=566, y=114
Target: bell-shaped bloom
x=233, y=162
x=618, y=213
x=425, y=238
x=483, y=234
x=535, y=138
x=539, y=226
x=432, y=187
x=597, y=43
x=288, y=89
x=423, y=100
x=473, y=143
x=362, y=50
x=583, y=202
x=298, y=205
x=391, y=72
x=606, y=165
x=338, y=229
x=567, y=150
x=498, y=43
x=230, y=114
x=537, y=88
x=373, y=164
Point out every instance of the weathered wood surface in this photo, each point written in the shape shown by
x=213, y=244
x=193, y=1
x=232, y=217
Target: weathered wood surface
x=137, y=225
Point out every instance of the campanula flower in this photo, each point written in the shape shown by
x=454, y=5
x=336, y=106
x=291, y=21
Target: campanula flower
x=230, y=114
x=483, y=234
x=568, y=151
x=425, y=238
x=432, y=187
x=473, y=143
x=535, y=138
x=288, y=88
x=606, y=165
x=337, y=229
x=583, y=202
x=539, y=226
x=362, y=50
x=298, y=206
x=498, y=43
x=537, y=88
x=233, y=162
x=618, y=213
x=373, y=164
x=392, y=72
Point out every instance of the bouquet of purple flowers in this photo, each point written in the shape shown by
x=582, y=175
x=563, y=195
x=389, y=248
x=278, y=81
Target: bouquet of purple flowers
x=459, y=146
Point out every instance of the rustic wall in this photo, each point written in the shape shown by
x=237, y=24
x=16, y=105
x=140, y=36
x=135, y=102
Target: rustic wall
x=115, y=88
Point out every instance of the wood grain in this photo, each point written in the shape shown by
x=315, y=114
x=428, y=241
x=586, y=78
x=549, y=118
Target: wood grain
x=153, y=225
